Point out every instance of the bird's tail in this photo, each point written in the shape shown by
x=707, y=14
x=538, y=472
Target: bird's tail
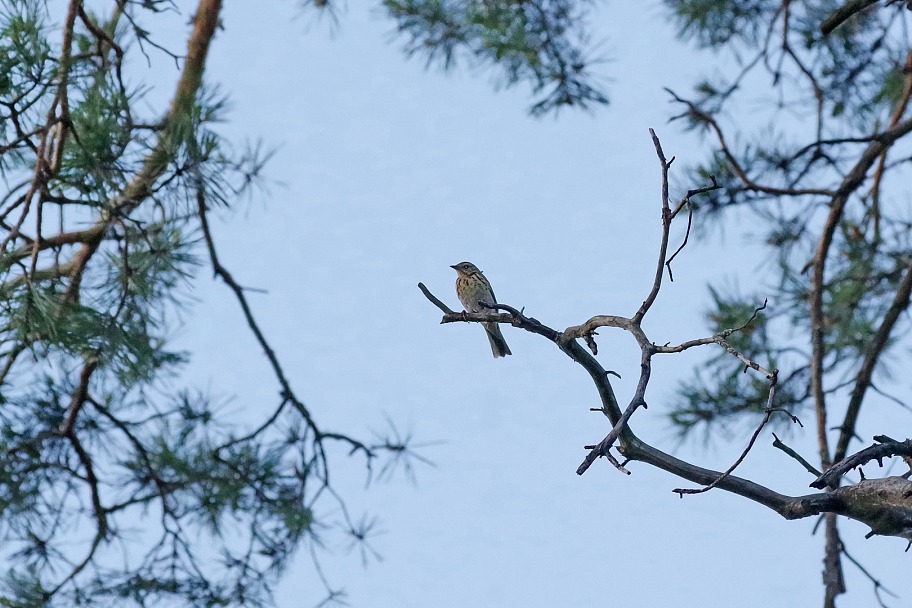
x=498, y=344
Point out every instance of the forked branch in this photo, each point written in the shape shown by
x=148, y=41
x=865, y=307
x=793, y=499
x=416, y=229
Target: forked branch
x=851, y=501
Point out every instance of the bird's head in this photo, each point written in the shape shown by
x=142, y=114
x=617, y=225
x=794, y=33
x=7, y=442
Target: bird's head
x=465, y=268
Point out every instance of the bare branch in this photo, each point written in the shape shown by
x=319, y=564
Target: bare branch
x=884, y=448
x=685, y=202
x=808, y=466
x=877, y=584
x=750, y=444
x=666, y=224
x=443, y=307
x=843, y=13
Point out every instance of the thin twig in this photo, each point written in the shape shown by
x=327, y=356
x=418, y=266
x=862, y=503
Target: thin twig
x=685, y=202
x=681, y=246
x=434, y=300
x=807, y=465
x=666, y=223
x=878, y=586
x=766, y=417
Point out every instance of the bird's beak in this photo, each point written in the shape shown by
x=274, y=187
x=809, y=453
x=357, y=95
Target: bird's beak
x=454, y=266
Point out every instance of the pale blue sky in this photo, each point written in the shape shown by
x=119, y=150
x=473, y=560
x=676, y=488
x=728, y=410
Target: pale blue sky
x=390, y=173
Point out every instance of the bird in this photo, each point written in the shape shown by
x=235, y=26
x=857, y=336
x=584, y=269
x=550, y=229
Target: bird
x=473, y=290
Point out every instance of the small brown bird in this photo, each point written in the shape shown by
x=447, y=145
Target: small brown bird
x=472, y=289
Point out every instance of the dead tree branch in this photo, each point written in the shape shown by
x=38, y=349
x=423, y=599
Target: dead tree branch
x=884, y=448
x=852, y=501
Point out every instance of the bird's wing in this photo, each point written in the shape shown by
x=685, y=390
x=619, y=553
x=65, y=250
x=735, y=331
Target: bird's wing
x=490, y=289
